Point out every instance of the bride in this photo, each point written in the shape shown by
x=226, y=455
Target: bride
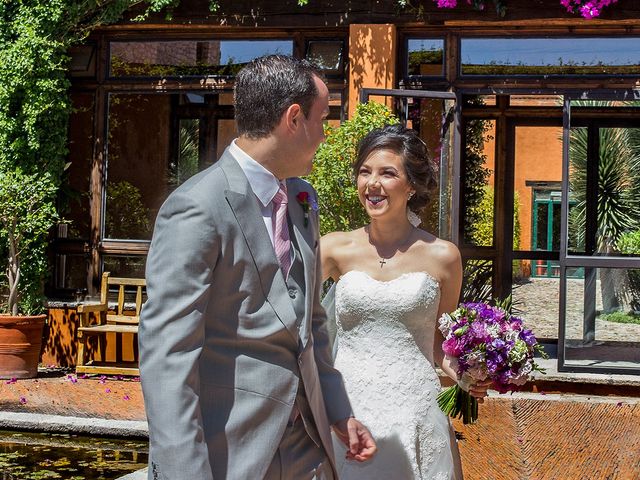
x=394, y=282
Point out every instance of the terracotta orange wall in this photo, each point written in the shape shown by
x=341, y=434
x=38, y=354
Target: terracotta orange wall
x=372, y=59
x=538, y=158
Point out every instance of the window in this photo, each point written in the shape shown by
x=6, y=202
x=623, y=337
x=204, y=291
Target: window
x=550, y=56
x=326, y=54
x=425, y=57
x=189, y=57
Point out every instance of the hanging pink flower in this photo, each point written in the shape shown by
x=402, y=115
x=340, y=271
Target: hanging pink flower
x=586, y=8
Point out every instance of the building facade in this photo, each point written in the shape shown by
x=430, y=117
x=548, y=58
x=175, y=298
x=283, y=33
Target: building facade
x=520, y=112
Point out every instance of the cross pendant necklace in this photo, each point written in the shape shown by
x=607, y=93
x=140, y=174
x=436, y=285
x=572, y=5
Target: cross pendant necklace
x=382, y=262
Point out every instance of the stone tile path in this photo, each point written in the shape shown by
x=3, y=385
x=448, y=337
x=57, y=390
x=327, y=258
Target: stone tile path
x=538, y=302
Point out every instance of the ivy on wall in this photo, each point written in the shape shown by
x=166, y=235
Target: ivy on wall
x=35, y=36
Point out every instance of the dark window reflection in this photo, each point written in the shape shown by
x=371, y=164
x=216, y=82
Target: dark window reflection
x=426, y=57
x=187, y=57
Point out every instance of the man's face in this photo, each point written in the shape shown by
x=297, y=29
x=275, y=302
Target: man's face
x=311, y=130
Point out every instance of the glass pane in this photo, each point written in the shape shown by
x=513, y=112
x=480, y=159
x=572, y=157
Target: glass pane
x=536, y=101
x=71, y=272
x=603, y=318
x=131, y=266
x=432, y=118
x=550, y=56
x=226, y=133
x=326, y=54
x=426, y=57
x=187, y=160
x=190, y=132
x=536, y=296
x=74, y=196
x=477, y=281
x=479, y=100
x=138, y=170
x=537, y=185
x=186, y=57
x=336, y=108
x=605, y=198
x=225, y=98
x=477, y=194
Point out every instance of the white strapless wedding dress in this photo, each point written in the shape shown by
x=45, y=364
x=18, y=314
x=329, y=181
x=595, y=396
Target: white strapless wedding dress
x=385, y=333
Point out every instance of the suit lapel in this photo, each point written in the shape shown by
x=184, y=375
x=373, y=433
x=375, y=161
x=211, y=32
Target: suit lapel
x=245, y=208
x=306, y=243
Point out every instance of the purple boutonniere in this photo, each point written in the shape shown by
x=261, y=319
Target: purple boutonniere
x=303, y=200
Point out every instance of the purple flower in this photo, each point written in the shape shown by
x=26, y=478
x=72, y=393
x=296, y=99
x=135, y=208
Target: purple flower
x=528, y=337
x=453, y=347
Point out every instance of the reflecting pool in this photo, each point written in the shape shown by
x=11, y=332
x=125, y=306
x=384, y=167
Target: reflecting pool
x=39, y=456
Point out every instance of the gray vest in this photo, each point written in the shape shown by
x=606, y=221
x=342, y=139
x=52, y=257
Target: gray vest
x=296, y=284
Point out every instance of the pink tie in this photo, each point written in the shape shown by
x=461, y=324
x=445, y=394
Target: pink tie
x=281, y=241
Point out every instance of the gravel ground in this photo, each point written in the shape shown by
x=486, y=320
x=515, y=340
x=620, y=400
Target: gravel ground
x=538, y=302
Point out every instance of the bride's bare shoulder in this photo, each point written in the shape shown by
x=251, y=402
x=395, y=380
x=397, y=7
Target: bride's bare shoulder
x=339, y=241
x=437, y=248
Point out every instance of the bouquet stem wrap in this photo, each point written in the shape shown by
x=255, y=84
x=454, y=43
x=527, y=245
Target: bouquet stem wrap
x=457, y=403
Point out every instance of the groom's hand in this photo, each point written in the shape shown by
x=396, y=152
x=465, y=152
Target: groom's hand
x=357, y=438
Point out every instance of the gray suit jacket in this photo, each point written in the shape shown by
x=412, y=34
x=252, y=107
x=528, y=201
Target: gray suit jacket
x=220, y=353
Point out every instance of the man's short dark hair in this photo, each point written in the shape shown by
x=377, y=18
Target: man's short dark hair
x=266, y=87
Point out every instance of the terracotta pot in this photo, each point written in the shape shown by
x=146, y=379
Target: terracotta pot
x=20, y=342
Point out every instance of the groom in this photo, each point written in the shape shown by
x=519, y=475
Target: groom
x=235, y=366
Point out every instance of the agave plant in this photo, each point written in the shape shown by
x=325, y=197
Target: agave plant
x=618, y=192
x=618, y=207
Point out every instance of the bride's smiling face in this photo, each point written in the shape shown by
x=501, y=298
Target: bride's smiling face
x=383, y=185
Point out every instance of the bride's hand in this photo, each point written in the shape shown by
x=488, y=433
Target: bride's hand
x=357, y=438
x=475, y=388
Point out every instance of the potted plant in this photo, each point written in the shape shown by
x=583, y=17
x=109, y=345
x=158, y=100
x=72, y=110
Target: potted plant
x=27, y=213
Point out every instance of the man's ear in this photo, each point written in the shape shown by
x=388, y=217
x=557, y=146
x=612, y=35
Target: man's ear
x=291, y=116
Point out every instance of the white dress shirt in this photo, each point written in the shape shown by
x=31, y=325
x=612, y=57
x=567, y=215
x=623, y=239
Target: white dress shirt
x=263, y=183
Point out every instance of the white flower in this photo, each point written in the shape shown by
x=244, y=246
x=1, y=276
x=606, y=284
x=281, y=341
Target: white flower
x=494, y=330
x=445, y=322
x=511, y=336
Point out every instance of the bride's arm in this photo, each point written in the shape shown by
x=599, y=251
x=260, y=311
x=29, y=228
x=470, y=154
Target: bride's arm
x=450, y=286
x=328, y=245
x=450, y=266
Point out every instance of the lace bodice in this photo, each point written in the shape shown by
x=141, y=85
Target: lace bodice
x=385, y=353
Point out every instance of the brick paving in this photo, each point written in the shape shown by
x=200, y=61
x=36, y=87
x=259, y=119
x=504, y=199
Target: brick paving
x=565, y=438
x=520, y=437
x=56, y=394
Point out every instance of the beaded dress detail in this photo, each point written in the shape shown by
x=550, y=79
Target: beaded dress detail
x=385, y=333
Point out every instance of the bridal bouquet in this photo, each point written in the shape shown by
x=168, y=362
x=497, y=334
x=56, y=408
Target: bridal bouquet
x=488, y=344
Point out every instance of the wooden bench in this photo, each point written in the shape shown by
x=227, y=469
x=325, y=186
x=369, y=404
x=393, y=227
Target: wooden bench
x=100, y=319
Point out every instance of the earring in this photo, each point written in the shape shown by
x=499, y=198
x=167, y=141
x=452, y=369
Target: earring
x=410, y=195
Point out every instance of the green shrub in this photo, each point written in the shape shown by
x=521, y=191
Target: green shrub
x=621, y=317
x=483, y=227
x=629, y=243
x=332, y=175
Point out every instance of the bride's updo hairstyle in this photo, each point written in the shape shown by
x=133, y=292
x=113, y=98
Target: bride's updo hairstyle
x=417, y=163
